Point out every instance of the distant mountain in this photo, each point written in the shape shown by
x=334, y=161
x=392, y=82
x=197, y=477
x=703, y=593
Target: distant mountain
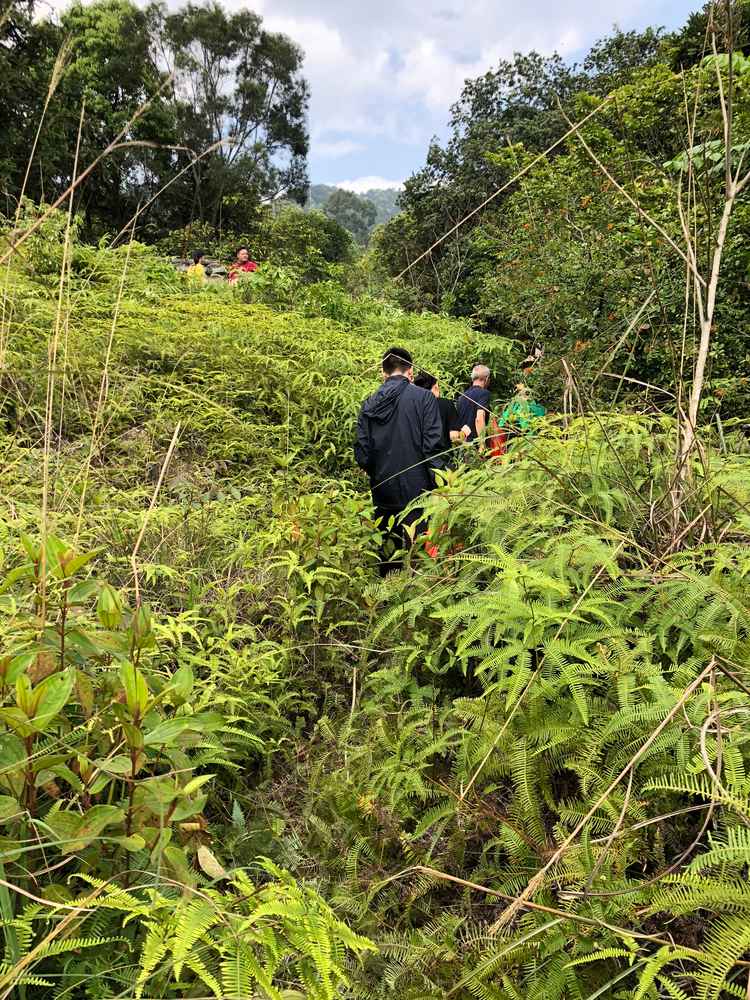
x=319, y=195
x=384, y=200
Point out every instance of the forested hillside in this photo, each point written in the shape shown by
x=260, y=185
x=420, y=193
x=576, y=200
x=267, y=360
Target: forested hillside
x=235, y=762
x=578, y=230
x=204, y=109
x=359, y=213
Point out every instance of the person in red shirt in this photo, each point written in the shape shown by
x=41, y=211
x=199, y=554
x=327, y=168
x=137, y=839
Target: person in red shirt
x=242, y=264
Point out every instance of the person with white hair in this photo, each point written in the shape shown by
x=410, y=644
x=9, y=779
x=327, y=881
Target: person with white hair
x=473, y=404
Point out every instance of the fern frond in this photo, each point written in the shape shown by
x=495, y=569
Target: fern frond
x=192, y=921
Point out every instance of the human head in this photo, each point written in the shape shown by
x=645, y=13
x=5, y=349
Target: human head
x=429, y=382
x=242, y=255
x=480, y=375
x=198, y=256
x=397, y=361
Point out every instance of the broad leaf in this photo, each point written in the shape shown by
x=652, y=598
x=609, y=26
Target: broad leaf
x=136, y=689
x=51, y=696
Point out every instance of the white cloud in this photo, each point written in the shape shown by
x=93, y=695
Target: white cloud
x=571, y=41
x=390, y=72
x=362, y=184
x=336, y=148
x=430, y=75
x=347, y=84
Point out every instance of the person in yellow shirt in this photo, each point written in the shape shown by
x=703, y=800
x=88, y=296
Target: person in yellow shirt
x=197, y=272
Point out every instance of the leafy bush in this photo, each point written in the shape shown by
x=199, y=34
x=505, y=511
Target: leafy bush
x=265, y=771
x=505, y=694
x=309, y=243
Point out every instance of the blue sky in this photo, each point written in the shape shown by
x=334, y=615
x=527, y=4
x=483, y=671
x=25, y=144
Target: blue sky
x=383, y=75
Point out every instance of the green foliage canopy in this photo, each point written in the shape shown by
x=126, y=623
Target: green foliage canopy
x=355, y=214
x=236, y=90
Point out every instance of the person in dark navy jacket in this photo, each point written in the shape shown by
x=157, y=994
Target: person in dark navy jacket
x=399, y=443
x=473, y=405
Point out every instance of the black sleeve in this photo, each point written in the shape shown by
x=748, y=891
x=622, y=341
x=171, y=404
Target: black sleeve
x=453, y=423
x=362, y=452
x=432, y=431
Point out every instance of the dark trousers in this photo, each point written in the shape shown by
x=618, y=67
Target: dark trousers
x=396, y=538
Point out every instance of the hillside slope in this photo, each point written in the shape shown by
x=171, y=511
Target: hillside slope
x=245, y=766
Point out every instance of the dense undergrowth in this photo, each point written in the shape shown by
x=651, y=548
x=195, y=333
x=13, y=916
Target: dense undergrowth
x=234, y=763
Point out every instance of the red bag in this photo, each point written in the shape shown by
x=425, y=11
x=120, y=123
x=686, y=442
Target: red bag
x=497, y=439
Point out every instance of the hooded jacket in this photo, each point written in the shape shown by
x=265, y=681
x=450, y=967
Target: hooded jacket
x=399, y=434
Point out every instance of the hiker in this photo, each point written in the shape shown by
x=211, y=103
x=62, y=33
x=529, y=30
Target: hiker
x=452, y=432
x=521, y=413
x=242, y=264
x=518, y=417
x=452, y=429
x=399, y=436
x=197, y=271
x=473, y=405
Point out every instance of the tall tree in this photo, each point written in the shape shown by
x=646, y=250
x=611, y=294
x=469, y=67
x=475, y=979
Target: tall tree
x=112, y=76
x=26, y=58
x=232, y=81
x=239, y=86
x=686, y=47
x=518, y=102
x=105, y=84
x=355, y=214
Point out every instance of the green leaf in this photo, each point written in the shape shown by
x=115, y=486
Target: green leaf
x=24, y=695
x=133, y=736
x=84, y=646
x=10, y=849
x=156, y=794
x=82, y=592
x=177, y=859
x=50, y=696
x=120, y=764
x=85, y=693
x=9, y=808
x=238, y=817
x=142, y=627
x=12, y=761
x=168, y=730
x=78, y=562
x=189, y=807
x=55, y=551
x=134, y=842
x=136, y=689
x=75, y=832
x=17, y=720
x=165, y=732
x=62, y=771
x=207, y=722
x=11, y=667
x=182, y=682
x=109, y=607
x=19, y=573
x=195, y=783
x=32, y=551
